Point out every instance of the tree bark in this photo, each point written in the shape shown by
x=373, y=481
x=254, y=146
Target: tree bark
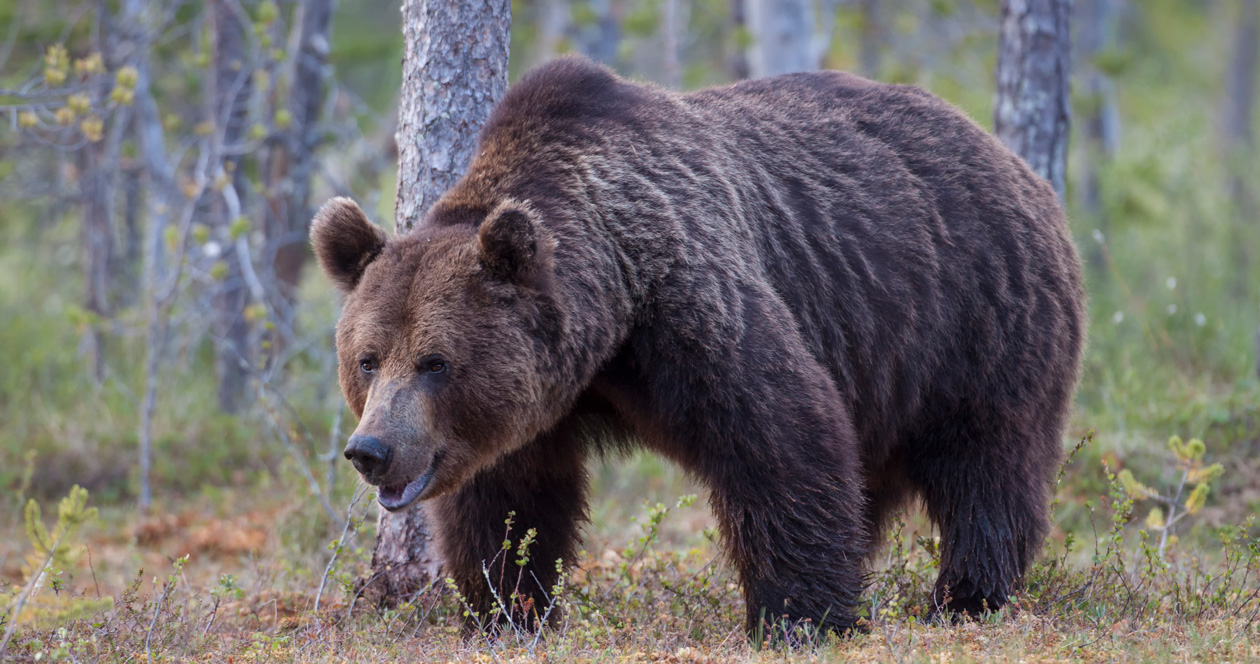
x=1033, y=111
x=782, y=37
x=291, y=162
x=455, y=65
x=231, y=85
x=1101, y=126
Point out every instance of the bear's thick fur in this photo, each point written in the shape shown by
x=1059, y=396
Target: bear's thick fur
x=818, y=294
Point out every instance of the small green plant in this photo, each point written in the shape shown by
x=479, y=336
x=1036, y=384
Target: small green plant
x=1179, y=503
x=51, y=554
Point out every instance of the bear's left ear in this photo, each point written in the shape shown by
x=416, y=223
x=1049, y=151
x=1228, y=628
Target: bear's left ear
x=345, y=241
x=512, y=246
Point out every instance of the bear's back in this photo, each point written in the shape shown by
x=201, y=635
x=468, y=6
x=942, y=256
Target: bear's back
x=919, y=256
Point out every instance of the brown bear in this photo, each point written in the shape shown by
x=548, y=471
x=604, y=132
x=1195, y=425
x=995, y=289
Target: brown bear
x=818, y=294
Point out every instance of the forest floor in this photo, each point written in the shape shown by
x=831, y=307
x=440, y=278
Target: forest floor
x=239, y=578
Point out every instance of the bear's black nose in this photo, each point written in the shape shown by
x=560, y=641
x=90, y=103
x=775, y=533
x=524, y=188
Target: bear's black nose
x=369, y=455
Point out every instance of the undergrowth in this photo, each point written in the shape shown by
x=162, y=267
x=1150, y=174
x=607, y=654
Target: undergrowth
x=1126, y=589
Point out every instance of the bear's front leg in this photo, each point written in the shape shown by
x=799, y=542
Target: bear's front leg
x=755, y=416
x=543, y=487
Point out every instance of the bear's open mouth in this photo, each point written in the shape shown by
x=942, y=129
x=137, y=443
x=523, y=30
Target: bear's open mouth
x=394, y=498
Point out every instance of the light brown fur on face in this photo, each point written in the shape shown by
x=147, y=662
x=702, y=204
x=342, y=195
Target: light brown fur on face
x=449, y=296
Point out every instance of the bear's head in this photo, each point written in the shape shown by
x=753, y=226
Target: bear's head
x=443, y=343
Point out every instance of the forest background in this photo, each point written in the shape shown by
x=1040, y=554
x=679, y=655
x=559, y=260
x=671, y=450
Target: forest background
x=165, y=341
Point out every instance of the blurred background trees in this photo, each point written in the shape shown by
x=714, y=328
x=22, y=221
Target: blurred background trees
x=160, y=159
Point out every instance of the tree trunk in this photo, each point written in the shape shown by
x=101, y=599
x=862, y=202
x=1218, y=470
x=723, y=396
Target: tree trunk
x=232, y=81
x=552, y=28
x=98, y=250
x=126, y=272
x=1238, y=137
x=600, y=40
x=291, y=162
x=670, y=27
x=1239, y=142
x=162, y=195
x=455, y=66
x=1033, y=111
x=871, y=41
x=783, y=36
x=737, y=58
x=1102, y=119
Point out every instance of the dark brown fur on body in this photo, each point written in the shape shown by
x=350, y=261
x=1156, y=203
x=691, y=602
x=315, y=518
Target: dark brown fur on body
x=818, y=294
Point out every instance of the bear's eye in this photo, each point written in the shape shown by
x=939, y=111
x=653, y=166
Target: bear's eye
x=368, y=365
x=433, y=365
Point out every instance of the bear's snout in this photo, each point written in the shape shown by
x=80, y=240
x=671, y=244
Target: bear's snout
x=369, y=455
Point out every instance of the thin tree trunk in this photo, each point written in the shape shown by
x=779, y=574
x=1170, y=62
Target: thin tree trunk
x=126, y=273
x=1239, y=142
x=871, y=41
x=291, y=162
x=99, y=163
x=601, y=39
x=783, y=39
x=455, y=67
x=1033, y=111
x=231, y=85
x=553, y=24
x=98, y=249
x=1238, y=137
x=670, y=27
x=1102, y=119
x=151, y=141
x=737, y=58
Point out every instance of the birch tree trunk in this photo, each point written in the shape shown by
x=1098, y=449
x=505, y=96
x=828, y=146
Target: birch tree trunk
x=782, y=34
x=1033, y=111
x=455, y=66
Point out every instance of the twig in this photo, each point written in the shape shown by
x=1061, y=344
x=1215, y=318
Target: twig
x=157, y=611
x=26, y=593
x=301, y=462
x=341, y=541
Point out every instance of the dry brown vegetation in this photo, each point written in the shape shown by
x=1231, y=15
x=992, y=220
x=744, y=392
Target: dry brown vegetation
x=235, y=582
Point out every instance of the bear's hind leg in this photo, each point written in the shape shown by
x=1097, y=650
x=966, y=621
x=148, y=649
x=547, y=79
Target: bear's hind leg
x=987, y=489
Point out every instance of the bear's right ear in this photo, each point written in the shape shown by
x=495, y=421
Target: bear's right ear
x=345, y=242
